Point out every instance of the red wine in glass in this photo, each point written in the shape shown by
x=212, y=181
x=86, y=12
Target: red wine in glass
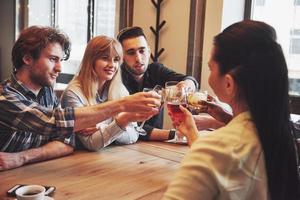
x=174, y=109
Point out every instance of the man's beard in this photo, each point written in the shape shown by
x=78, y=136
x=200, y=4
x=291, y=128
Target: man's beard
x=42, y=81
x=133, y=72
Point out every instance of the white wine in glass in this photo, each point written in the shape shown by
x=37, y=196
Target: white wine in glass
x=159, y=90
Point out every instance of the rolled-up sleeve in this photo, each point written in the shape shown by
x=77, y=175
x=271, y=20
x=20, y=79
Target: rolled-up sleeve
x=25, y=115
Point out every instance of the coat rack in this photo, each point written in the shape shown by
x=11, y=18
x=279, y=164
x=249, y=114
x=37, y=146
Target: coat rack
x=156, y=31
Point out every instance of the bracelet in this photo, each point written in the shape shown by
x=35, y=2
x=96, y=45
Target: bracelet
x=172, y=134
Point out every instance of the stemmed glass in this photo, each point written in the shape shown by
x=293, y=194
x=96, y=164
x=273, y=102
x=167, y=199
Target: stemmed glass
x=174, y=97
x=197, y=101
x=159, y=90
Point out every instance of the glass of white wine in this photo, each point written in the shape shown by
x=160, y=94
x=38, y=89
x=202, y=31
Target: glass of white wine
x=197, y=101
x=160, y=91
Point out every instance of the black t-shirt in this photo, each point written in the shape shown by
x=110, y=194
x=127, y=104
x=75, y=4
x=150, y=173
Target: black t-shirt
x=156, y=74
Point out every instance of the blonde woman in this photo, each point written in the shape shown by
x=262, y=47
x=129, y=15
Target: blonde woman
x=99, y=81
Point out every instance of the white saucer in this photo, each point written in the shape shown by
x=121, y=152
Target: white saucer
x=48, y=198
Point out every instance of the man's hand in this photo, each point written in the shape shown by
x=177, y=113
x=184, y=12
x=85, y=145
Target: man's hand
x=51, y=150
x=142, y=102
x=188, y=84
x=10, y=160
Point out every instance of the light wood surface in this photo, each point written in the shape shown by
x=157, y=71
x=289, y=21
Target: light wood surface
x=138, y=171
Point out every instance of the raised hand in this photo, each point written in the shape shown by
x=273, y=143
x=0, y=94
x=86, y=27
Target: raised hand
x=218, y=112
x=187, y=126
x=143, y=102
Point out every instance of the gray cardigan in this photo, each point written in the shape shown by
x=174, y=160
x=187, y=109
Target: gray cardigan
x=108, y=130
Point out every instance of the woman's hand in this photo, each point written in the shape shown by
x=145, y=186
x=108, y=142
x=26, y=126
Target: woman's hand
x=188, y=127
x=124, y=118
x=87, y=131
x=214, y=109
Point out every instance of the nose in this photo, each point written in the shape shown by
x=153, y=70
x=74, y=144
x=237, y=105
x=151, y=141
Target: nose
x=138, y=57
x=111, y=62
x=57, y=67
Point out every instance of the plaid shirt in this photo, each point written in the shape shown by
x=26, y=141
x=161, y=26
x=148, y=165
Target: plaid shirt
x=30, y=121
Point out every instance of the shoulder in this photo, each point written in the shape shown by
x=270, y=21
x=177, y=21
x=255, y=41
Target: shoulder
x=72, y=96
x=156, y=65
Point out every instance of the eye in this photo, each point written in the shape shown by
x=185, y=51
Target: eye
x=130, y=52
x=142, y=51
x=104, y=57
x=116, y=59
x=54, y=59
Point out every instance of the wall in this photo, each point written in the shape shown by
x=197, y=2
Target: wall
x=7, y=35
x=213, y=22
x=174, y=34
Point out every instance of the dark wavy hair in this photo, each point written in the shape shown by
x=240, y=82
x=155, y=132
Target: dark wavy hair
x=34, y=39
x=130, y=32
x=249, y=52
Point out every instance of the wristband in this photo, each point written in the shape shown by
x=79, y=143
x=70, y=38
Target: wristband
x=172, y=134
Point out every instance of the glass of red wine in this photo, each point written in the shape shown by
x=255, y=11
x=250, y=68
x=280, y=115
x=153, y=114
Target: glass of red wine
x=174, y=97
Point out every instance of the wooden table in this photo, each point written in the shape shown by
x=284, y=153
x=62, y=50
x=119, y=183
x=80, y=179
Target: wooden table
x=138, y=171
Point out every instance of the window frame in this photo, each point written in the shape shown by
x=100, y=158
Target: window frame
x=22, y=12
x=195, y=39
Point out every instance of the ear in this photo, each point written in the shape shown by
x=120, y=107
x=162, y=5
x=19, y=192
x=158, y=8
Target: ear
x=27, y=59
x=229, y=85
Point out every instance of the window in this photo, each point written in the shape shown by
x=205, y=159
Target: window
x=259, y=2
x=79, y=19
x=295, y=42
x=288, y=32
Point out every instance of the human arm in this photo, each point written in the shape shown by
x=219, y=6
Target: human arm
x=204, y=121
x=142, y=104
x=119, y=130
x=217, y=110
x=20, y=114
x=51, y=150
x=164, y=74
x=108, y=130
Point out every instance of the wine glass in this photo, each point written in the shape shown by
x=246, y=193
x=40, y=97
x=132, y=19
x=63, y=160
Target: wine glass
x=160, y=91
x=174, y=97
x=197, y=101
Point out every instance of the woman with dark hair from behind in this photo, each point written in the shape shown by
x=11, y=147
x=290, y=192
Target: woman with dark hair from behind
x=254, y=155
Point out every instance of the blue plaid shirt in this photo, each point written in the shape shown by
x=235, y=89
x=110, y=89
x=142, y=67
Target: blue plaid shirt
x=30, y=121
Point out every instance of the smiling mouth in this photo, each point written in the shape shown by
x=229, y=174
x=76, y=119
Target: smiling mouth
x=110, y=71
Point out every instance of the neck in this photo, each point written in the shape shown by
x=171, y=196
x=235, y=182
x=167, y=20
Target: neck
x=139, y=78
x=24, y=77
x=101, y=86
x=239, y=107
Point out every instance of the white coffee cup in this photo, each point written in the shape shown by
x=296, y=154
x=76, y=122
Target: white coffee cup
x=31, y=192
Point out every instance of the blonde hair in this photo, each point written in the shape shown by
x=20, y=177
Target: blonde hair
x=87, y=79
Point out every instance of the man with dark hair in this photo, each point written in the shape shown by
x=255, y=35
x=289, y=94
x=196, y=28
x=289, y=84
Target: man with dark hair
x=33, y=127
x=137, y=74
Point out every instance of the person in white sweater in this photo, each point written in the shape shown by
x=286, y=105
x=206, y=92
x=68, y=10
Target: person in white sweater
x=99, y=81
x=253, y=156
